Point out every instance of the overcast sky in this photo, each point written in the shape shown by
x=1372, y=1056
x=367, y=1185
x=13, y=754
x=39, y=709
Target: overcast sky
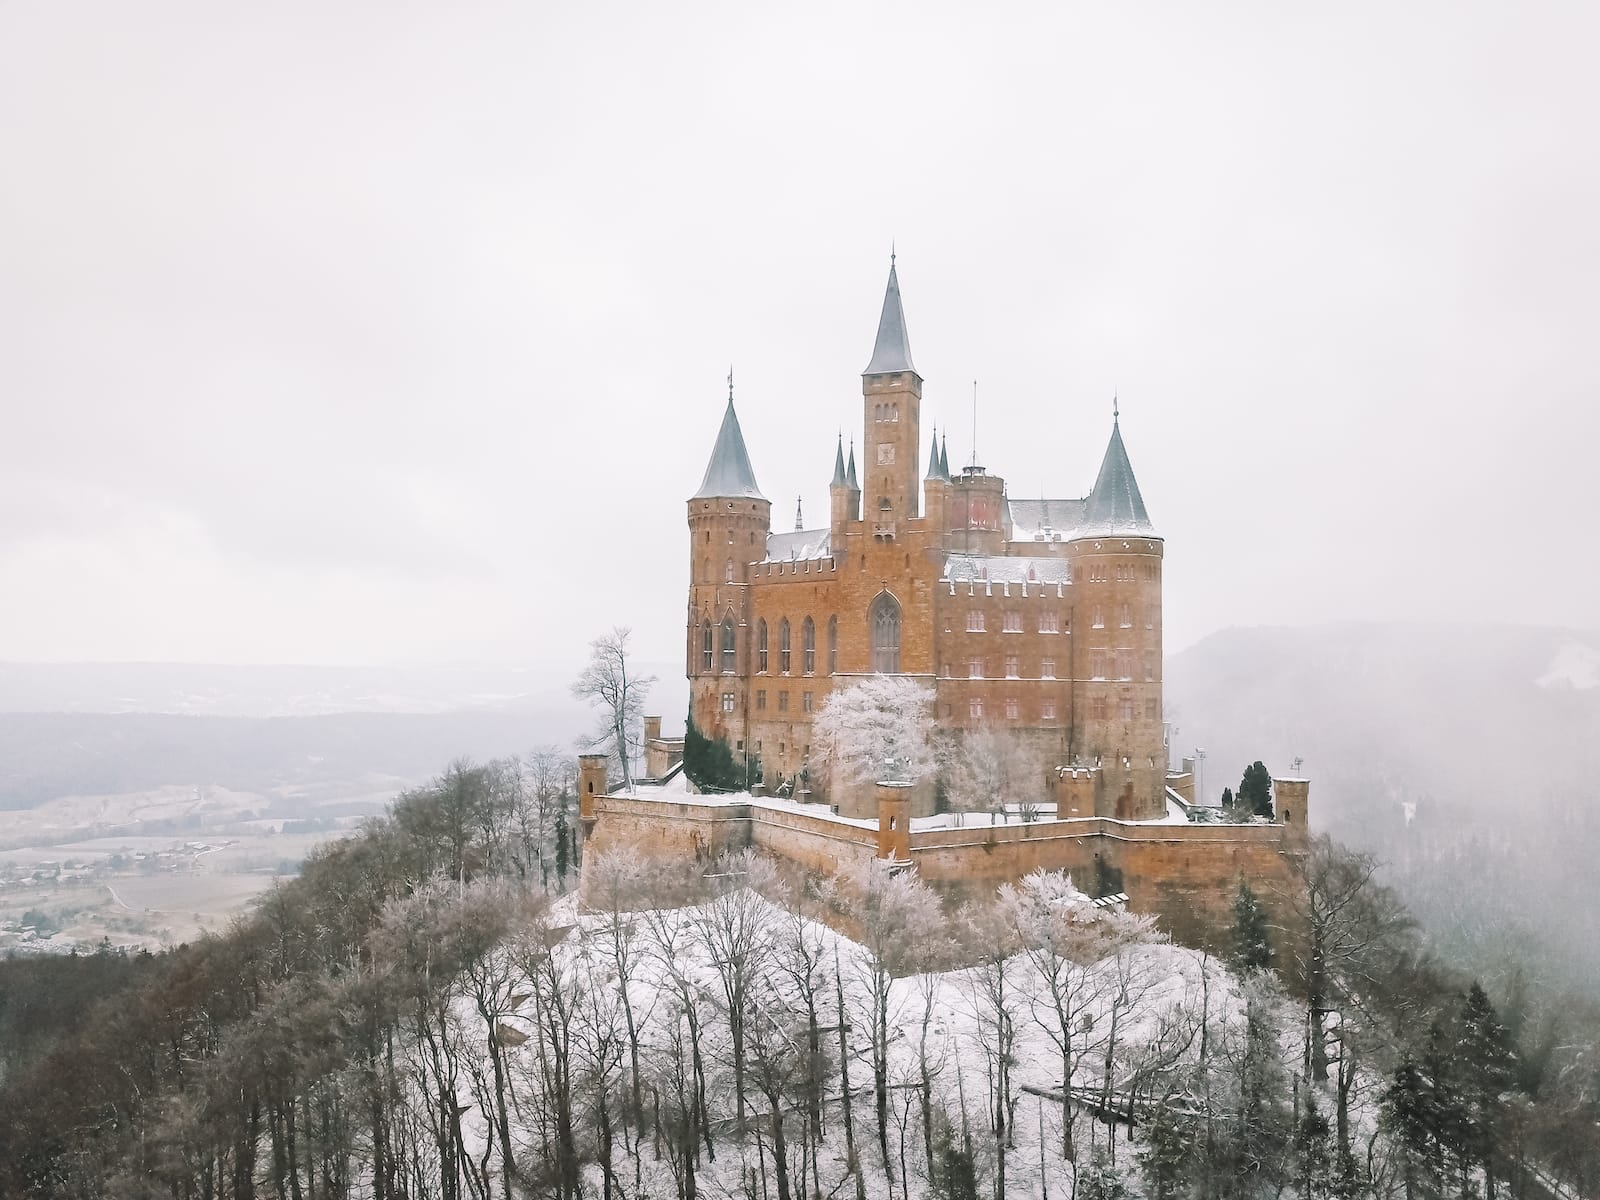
x=355, y=333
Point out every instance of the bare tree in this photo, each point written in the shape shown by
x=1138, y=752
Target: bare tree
x=877, y=726
x=608, y=684
x=988, y=767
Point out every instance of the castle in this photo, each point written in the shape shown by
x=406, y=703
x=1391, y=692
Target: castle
x=1041, y=617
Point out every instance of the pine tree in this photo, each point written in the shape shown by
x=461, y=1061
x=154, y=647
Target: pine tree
x=1313, y=1168
x=1255, y=789
x=1168, y=1141
x=1252, y=944
x=1486, y=1067
x=1407, y=1116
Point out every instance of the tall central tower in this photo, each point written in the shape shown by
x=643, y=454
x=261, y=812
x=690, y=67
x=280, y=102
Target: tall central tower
x=891, y=393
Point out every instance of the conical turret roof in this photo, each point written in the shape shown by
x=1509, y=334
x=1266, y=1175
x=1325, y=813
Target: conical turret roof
x=935, y=470
x=1115, y=506
x=850, y=471
x=944, y=457
x=729, y=472
x=892, y=351
x=838, y=465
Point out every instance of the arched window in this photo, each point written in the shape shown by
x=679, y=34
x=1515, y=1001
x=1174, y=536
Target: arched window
x=706, y=648
x=808, y=647
x=884, y=619
x=833, y=644
x=761, y=646
x=727, y=646
x=783, y=646
x=728, y=572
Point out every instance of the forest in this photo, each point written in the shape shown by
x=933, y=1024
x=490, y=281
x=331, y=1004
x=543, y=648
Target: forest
x=432, y=1011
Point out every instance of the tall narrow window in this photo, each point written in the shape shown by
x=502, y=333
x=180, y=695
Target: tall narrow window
x=761, y=646
x=707, y=663
x=727, y=574
x=808, y=647
x=728, y=646
x=885, y=622
x=783, y=646
x=833, y=644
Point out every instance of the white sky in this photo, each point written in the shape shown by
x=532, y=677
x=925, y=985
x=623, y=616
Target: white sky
x=360, y=332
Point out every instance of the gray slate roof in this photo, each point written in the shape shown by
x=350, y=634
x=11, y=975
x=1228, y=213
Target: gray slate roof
x=892, y=351
x=1114, y=507
x=798, y=544
x=729, y=472
x=1030, y=517
x=838, y=465
x=1005, y=568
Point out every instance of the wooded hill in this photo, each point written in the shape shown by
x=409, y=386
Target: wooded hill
x=428, y=1012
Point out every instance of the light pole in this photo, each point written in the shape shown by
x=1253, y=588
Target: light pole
x=1200, y=775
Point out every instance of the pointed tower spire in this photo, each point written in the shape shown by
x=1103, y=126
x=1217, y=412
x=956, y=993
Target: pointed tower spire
x=933, y=457
x=799, y=521
x=1115, y=505
x=838, y=464
x=850, y=471
x=892, y=351
x=729, y=472
x=944, y=457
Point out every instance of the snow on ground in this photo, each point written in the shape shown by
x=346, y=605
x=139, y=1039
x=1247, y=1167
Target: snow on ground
x=1154, y=987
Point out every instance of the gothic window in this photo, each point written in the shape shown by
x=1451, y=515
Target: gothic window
x=783, y=646
x=727, y=646
x=1125, y=617
x=727, y=573
x=975, y=620
x=1048, y=622
x=1013, y=622
x=1097, y=617
x=833, y=644
x=808, y=647
x=884, y=620
x=706, y=661
x=761, y=646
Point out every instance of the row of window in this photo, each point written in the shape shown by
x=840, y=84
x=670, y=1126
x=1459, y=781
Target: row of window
x=1053, y=622
x=1123, y=572
x=1121, y=662
x=883, y=619
x=1099, y=709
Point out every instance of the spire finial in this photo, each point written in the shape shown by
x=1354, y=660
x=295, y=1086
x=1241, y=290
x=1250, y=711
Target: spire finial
x=730, y=383
x=1116, y=414
x=799, y=521
x=891, y=252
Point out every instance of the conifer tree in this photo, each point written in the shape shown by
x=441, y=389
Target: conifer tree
x=1252, y=944
x=1255, y=790
x=1485, y=1066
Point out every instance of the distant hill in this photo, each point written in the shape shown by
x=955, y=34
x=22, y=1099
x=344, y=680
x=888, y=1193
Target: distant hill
x=1466, y=757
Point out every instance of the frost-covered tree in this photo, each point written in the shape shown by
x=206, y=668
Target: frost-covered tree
x=874, y=728
x=610, y=684
x=991, y=766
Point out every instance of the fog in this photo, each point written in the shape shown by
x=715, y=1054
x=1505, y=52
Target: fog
x=372, y=333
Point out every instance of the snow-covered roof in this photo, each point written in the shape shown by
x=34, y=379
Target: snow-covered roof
x=1005, y=568
x=1042, y=520
x=796, y=544
x=1115, y=508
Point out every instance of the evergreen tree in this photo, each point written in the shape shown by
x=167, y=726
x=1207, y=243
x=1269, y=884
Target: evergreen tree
x=1227, y=797
x=563, y=848
x=1168, y=1141
x=1486, y=1067
x=1252, y=945
x=1407, y=1116
x=1313, y=1165
x=710, y=764
x=1100, y=1180
x=1255, y=790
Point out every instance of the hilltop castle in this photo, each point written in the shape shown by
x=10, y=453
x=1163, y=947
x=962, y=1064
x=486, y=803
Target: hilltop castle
x=1038, y=616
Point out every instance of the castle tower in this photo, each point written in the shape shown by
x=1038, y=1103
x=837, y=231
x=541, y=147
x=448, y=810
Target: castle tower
x=1116, y=642
x=843, y=503
x=891, y=393
x=729, y=520
x=935, y=488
